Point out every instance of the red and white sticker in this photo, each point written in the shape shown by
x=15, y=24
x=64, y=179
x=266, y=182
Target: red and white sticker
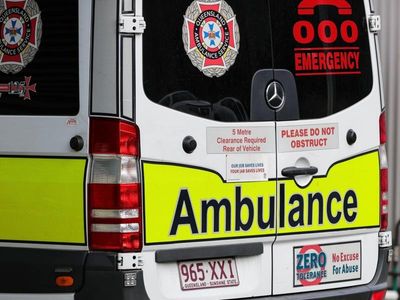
x=22, y=89
x=211, y=36
x=20, y=34
x=246, y=167
x=308, y=138
x=237, y=140
x=321, y=264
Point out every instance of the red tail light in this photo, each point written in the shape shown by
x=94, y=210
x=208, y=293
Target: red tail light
x=384, y=181
x=382, y=128
x=114, y=189
x=111, y=136
x=379, y=295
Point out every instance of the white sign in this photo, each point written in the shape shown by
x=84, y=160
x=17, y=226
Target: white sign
x=246, y=167
x=319, y=264
x=236, y=140
x=308, y=138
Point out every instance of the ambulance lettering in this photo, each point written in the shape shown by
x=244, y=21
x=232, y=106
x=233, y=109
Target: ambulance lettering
x=186, y=204
x=339, y=55
x=242, y=213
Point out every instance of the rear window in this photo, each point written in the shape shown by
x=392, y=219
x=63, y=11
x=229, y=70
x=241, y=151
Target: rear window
x=39, y=57
x=200, y=57
x=326, y=47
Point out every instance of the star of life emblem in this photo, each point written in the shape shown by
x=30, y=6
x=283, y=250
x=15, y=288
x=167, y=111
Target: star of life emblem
x=20, y=34
x=211, y=36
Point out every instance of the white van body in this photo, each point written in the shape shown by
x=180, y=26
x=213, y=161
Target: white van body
x=214, y=149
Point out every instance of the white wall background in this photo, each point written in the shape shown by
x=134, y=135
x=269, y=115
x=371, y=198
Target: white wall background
x=390, y=56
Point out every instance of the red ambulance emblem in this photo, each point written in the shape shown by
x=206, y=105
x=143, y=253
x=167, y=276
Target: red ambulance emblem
x=20, y=34
x=23, y=89
x=211, y=36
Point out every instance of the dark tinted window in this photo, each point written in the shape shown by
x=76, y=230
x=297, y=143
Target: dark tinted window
x=326, y=48
x=39, y=57
x=181, y=81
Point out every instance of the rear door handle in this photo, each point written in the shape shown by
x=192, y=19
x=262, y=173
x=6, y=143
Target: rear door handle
x=293, y=171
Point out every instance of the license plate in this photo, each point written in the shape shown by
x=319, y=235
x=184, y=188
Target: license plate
x=205, y=274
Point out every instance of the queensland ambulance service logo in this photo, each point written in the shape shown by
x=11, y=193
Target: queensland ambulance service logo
x=211, y=36
x=20, y=34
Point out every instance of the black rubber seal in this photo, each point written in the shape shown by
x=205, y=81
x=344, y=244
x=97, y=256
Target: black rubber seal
x=174, y=255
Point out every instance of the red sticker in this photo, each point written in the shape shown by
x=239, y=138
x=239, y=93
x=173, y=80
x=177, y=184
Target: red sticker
x=331, y=59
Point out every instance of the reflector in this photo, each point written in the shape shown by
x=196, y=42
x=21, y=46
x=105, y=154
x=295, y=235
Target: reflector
x=379, y=295
x=64, y=281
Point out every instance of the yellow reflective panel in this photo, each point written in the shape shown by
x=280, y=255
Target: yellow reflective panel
x=183, y=204
x=188, y=204
x=42, y=200
x=347, y=198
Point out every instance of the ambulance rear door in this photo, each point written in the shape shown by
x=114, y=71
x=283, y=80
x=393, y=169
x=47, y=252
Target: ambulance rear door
x=208, y=157
x=44, y=85
x=328, y=156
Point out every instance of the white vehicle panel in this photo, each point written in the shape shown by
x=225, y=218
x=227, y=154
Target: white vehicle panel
x=162, y=280
x=284, y=278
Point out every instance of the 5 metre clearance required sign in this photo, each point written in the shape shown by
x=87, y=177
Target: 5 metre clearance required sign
x=183, y=204
x=235, y=140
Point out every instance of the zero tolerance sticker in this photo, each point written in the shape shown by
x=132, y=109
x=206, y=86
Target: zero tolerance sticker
x=211, y=36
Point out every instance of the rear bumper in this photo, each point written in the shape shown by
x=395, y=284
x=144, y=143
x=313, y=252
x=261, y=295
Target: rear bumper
x=104, y=282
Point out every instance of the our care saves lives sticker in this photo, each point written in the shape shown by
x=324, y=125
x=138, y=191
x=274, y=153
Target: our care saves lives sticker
x=211, y=37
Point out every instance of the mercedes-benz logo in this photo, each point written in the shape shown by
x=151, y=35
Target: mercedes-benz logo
x=275, y=95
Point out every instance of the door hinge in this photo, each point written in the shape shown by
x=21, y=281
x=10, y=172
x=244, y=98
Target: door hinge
x=130, y=261
x=374, y=23
x=131, y=24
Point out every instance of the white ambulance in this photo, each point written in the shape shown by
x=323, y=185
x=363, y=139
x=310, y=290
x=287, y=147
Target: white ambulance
x=191, y=149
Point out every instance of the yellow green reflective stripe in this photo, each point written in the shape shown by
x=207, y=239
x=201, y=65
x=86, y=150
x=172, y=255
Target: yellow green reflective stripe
x=42, y=200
